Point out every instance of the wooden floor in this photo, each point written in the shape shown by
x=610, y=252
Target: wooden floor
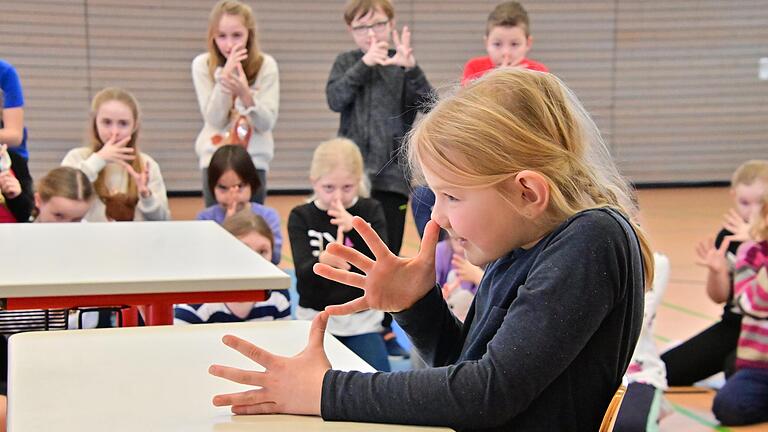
x=675, y=219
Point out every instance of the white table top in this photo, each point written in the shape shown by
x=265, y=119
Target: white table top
x=152, y=379
x=128, y=258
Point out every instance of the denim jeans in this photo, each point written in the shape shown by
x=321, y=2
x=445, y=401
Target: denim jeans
x=743, y=400
x=370, y=347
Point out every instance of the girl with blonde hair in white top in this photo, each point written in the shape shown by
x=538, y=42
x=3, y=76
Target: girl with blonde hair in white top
x=235, y=82
x=127, y=181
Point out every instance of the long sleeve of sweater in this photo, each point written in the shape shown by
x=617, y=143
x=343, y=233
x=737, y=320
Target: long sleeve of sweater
x=347, y=76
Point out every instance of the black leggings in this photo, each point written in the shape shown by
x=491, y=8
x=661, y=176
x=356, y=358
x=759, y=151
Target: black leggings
x=707, y=353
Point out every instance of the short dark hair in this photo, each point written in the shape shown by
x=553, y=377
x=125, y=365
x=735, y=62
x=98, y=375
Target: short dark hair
x=237, y=159
x=509, y=14
x=356, y=8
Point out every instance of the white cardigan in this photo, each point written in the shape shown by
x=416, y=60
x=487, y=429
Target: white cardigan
x=215, y=107
x=152, y=208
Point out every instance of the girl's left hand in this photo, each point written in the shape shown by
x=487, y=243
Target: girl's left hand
x=738, y=226
x=340, y=216
x=9, y=185
x=465, y=270
x=236, y=83
x=289, y=385
x=141, y=179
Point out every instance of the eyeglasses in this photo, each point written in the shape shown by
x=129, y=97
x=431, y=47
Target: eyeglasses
x=376, y=27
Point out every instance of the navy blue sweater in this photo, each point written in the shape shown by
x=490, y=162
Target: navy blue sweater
x=544, y=346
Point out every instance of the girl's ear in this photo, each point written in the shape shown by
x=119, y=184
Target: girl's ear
x=38, y=200
x=531, y=192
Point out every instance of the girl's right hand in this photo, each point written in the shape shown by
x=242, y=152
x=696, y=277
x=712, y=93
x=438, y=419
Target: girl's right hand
x=236, y=55
x=332, y=260
x=116, y=151
x=10, y=187
x=713, y=258
x=390, y=283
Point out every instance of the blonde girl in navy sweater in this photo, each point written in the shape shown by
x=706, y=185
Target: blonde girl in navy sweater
x=524, y=181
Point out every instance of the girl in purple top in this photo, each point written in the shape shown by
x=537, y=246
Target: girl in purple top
x=232, y=179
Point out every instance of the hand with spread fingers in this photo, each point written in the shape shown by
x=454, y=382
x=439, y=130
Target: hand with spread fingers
x=141, y=179
x=711, y=257
x=390, y=283
x=404, y=53
x=737, y=225
x=232, y=67
x=277, y=386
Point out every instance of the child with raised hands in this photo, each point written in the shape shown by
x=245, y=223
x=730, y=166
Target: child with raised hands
x=713, y=350
x=128, y=182
x=232, y=181
x=238, y=91
x=253, y=231
x=340, y=191
x=743, y=400
x=525, y=183
x=378, y=89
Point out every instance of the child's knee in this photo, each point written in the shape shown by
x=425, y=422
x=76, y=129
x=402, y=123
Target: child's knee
x=730, y=409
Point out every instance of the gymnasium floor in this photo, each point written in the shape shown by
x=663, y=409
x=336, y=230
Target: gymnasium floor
x=675, y=219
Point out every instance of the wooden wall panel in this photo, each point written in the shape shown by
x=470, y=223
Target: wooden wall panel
x=672, y=85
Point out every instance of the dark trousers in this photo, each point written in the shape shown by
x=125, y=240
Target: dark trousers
x=395, y=206
x=257, y=196
x=743, y=400
x=707, y=353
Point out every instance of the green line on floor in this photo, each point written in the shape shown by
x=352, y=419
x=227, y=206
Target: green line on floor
x=689, y=311
x=698, y=419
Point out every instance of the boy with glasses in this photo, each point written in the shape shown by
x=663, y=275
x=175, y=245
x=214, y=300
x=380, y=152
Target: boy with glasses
x=378, y=90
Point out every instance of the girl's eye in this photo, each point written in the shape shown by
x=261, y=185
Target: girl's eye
x=348, y=188
x=450, y=197
x=328, y=188
x=123, y=123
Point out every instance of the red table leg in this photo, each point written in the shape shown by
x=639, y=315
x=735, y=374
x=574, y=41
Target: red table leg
x=159, y=314
x=130, y=316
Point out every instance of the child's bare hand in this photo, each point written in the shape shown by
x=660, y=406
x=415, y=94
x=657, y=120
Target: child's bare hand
x=276, y=388
x=9, y=185
x=332, y=260
x=232, y=207
x=465, y=270
x=237, y=54
x=141, y=179
x=390, y=283
x=377, y=53
x=116, y=151
x=340, y=216
x=404, y=53
x=738, y=226
x=713, y=258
